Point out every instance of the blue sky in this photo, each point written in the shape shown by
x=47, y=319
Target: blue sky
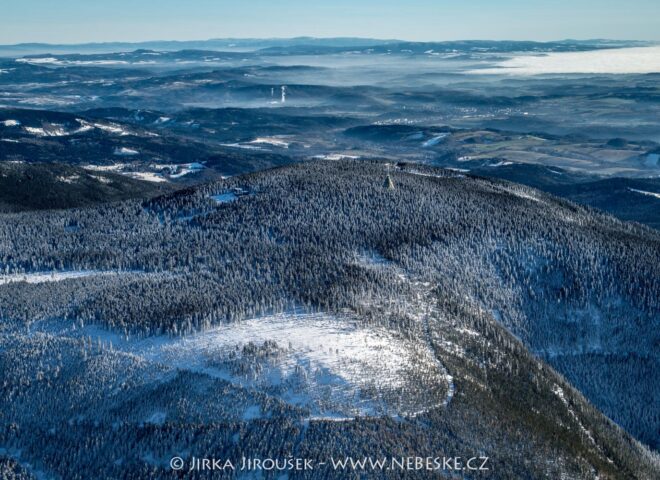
x=74, y=21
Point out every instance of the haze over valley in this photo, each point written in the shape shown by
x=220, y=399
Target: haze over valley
x=330, y=247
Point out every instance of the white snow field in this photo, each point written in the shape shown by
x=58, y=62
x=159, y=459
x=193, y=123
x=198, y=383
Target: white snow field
x=125, y=151
x=336, y=156
x=274, y=141
x=44, y=277
x=145, y=176
x=615, y=60
x=328, y=364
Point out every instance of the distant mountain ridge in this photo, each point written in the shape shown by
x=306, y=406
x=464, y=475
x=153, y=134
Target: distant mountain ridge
x=299, y=43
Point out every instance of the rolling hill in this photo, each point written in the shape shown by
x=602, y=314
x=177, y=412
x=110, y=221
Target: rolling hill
x=311, y=311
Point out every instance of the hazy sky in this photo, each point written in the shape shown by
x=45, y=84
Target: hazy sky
x=75, y=21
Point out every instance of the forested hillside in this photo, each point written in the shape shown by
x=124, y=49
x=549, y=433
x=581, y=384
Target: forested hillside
x=468, y=296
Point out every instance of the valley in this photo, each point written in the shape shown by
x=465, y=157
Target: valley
x=322, y=248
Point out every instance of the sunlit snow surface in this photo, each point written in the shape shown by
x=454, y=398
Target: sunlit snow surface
x=644, y=192
x=618, y=61
x=330, y=365
x=45, y=277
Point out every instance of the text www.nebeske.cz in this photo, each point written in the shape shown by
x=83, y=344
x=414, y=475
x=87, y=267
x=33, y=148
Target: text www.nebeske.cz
x=413, y=463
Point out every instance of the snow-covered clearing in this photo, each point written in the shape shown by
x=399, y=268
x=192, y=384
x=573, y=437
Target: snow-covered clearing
x=330, y=364
x=127, y=170
x=422, y=307
x=52, y=131
x=105, y=168
x=125, y=152
x=187, y=168
x=68, y=179
x=145, y=176
x=37, y=61
x=336, y=156
x=44, y=277
x=274, y=141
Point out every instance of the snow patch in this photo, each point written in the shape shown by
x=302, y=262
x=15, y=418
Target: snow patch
x=336, y=156
x=68, y=179
x=435, y=140
x=105, y=168
x=45, y=277
x=519, y=192
x=35, y=131
x=112, y=128
x=274, y=141
x=50, y=130
x=38, y=61
x=101, y=179
x=125, y=152
x=187, y=168
x=644, y=192
x=146, y=176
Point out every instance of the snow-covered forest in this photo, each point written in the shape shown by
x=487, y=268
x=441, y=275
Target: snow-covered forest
x=449, y=310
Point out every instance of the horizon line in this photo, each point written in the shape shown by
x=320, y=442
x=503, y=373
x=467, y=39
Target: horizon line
x=305, y=37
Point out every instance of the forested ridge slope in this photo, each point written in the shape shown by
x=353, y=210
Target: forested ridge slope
x=465, y=275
